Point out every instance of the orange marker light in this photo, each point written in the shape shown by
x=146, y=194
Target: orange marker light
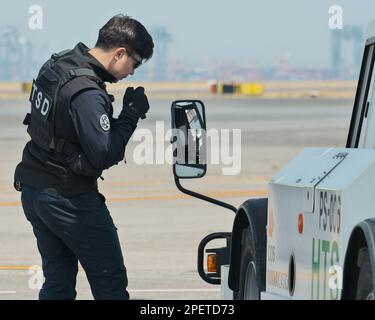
x=212, y=263
x=300, y=223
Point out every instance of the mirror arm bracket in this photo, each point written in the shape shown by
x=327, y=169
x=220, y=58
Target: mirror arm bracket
x=203, y=197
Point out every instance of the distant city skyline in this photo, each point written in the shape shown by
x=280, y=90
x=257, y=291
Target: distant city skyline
x=243, y=33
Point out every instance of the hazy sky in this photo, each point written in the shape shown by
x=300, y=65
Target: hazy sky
x=201, y=30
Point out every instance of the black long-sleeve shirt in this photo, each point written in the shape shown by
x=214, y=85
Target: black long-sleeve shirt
x=103, y=139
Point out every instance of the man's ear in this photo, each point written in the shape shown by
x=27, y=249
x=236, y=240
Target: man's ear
x=118, y=53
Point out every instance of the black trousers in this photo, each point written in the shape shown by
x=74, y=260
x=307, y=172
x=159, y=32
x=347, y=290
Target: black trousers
x=75, y=229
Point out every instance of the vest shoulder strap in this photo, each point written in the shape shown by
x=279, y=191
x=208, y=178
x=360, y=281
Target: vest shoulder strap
x=60, y=54
x=78, y=72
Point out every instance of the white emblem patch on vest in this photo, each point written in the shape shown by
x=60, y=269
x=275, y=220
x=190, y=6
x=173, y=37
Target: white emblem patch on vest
x=104, y=122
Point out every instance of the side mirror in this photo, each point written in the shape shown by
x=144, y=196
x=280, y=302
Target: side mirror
x=189, y=139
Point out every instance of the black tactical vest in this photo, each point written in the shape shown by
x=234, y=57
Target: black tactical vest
x=53, y=136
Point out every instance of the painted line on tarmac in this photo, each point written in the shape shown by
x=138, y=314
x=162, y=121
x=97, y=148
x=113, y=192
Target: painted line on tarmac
x=168, y=181
x=239, y=193
x=173, y=290
x=10, y=204
x=143, y=290
x=15, y=267
x=7, y=292
x=25, y=267
x=5, y=183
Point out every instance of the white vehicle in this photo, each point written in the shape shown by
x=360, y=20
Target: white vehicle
x=314, y=237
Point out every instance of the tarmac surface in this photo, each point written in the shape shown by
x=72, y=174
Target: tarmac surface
x=159, y=227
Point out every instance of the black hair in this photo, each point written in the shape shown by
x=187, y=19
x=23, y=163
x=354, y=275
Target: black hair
x=123, y=31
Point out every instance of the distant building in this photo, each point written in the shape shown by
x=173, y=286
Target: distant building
x=339, y=68
x=160, y=59
x=15, y=55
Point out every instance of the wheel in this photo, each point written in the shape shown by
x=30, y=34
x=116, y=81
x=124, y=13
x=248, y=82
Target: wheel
x=365, y=290
x=249, y=289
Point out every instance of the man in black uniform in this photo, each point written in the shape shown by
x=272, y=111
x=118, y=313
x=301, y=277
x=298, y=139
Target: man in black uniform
x=74, y=137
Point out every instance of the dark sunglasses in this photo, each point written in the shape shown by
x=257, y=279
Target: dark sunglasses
x=132, y=55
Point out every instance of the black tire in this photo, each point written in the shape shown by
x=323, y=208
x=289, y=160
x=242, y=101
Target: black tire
x=248, y=289
x=365, y=290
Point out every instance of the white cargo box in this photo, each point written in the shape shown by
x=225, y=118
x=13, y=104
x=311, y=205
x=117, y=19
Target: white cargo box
x=314, y=203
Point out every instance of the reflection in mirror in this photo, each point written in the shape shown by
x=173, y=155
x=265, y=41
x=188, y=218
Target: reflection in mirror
x=188, y=122
x=190, y=136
